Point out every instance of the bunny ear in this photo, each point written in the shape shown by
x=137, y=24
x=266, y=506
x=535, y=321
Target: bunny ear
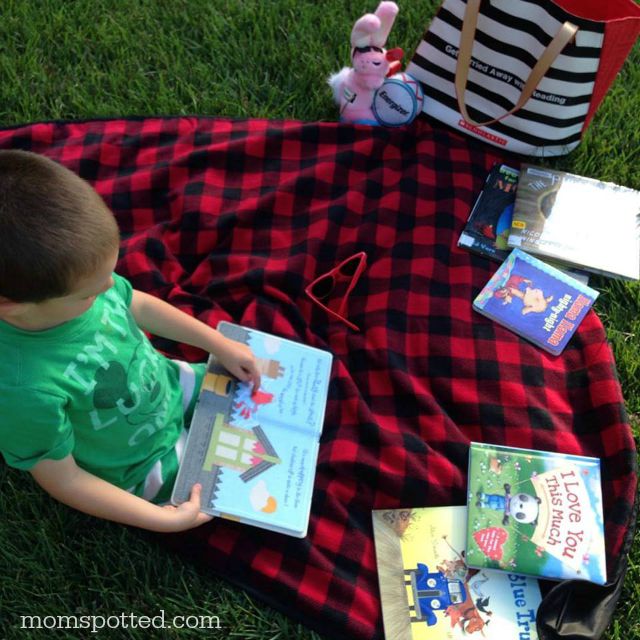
x=386, y=13
x=363, y=30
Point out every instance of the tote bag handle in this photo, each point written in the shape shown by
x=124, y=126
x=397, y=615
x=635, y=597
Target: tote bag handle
x=565, y=34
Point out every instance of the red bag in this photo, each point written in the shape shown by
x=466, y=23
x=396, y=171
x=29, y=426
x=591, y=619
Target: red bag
x=622, y=20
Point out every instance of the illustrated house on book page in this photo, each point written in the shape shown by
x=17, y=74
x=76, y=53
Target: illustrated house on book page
x=246, y=450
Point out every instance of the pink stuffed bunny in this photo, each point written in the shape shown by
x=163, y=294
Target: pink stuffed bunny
x=354, y=87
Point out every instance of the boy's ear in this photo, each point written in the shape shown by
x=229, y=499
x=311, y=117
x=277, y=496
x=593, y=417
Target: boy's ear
x=9, y=308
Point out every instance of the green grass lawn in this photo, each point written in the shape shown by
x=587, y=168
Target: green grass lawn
x=267, y=58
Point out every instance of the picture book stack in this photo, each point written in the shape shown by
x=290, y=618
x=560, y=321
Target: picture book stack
x=535, y=300
x=488, y=227
x=580, y=221
x=472, y=571
x=428, y=591
x=255, y=452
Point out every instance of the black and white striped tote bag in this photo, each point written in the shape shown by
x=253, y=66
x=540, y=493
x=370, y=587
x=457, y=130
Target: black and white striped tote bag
x=525, y=75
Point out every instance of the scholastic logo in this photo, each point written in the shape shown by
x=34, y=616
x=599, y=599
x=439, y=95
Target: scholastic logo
x=485, y=134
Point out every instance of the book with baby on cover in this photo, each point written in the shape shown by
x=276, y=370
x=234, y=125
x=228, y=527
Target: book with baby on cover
x=580, y=221
x=535, y=300
x=535, y=512
x=255, y=453
x=429, y=593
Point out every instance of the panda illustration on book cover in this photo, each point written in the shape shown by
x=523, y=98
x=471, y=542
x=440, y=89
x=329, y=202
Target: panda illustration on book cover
x=523, y=507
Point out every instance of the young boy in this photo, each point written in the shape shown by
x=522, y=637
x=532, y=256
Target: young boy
x=87, y=405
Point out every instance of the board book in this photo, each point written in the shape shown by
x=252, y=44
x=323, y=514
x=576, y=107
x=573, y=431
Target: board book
x=580, y=221
x=427, y=590
x=255, y=453
x=487, y=229
x=535, y=300
x=535, y=512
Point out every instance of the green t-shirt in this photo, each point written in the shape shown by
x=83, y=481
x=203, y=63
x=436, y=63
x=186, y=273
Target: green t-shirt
x=94, y=387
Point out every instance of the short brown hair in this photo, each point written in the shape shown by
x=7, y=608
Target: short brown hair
x=54, y=228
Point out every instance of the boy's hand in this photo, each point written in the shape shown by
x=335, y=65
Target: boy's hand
x=161, y=319
x=188, y=514
x=65, y=481
x=238, y=359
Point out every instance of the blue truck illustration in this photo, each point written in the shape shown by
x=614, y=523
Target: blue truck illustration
x=432, y=591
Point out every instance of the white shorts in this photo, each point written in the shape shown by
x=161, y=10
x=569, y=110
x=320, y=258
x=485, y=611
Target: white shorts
x=166, y=467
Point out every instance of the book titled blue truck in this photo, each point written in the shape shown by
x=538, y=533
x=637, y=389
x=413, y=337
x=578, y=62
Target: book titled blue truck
x=535, y=300
x=255, y=452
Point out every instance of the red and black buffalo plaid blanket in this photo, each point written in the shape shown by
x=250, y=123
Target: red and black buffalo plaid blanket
x=232, y=219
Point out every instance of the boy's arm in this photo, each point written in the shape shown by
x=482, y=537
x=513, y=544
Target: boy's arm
x=65, y=481
x=162, y=319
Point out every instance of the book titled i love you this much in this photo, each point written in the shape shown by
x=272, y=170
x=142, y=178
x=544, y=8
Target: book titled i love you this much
x=535, y=512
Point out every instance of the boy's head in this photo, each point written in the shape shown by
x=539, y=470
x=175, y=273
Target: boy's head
x=55, y=230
